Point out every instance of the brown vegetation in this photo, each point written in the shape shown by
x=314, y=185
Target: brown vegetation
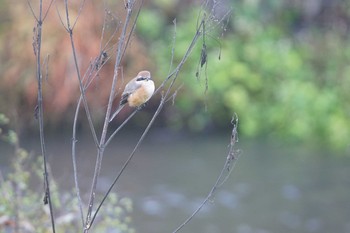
x=18, y=85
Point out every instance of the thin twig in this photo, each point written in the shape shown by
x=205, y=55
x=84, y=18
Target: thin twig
x=132, y=28
x=103, y=30
x=37, y=52
x=121, y=171
x=32, y=10
x=173, y=47
x=173, y=96
x=103, y=33
x=74, y=141
x=82, y=91
x=120, y=127
x=129, y=158
x=108, y=112
x=88, y=114
x=79, y=13
x=231, y=160
x=61, y=20
x=91, y=77
x=48, y=9
x=75, y=169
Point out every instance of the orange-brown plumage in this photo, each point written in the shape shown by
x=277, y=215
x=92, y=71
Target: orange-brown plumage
x=137, y=91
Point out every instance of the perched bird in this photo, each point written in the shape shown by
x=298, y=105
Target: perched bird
x=137, y=92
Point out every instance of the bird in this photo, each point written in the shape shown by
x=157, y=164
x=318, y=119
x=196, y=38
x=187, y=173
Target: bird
x=136, y=92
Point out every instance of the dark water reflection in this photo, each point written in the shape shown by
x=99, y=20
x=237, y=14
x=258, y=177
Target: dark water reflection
x=274, y=188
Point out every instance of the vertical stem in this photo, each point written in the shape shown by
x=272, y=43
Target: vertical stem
x=106, y=122
x=81, y=87
x=38, y=38
x=75, y=169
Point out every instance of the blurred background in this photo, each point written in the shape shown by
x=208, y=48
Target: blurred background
x=282, y=66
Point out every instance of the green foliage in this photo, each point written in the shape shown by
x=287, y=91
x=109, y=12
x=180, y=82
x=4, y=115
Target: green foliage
x=21, y=204
x=280, y=83
x=3, y=119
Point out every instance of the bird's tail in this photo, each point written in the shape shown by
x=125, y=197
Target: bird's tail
x=116, y=112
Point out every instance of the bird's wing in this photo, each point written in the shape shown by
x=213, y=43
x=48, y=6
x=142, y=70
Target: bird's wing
x=124, y=99
x=129, y=88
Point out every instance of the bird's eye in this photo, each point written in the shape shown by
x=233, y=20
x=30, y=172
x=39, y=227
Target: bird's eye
x=140, y=78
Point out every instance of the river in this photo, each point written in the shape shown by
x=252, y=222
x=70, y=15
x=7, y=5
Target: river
x=274, y=187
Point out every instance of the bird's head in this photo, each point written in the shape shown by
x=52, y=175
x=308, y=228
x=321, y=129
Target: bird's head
x=143, y=76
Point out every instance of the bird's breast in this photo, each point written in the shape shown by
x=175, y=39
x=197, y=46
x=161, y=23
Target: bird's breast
x=141, y=95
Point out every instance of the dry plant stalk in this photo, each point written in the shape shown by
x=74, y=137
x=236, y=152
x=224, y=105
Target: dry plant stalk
x=39, y=111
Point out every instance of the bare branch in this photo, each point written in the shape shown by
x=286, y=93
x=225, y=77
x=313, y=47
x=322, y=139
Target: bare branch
x=90, y=76
x=120, y=51
x=32, y=10
x=231, y=160
x=173, y=47
x=40, y=112
x=75, y=169
x=130, y=156
x=103, y=32
x=121, y=171
x=119, y=56
x=79, y=13
x=61, y=20
x=173, y=96
x=132, y=28
x=120, y=127
x=48, y=9
x=82, y=90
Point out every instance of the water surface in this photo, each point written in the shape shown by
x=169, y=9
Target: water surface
x=273, y=188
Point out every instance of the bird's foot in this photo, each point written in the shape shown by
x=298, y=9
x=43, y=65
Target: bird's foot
x=141, y=106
